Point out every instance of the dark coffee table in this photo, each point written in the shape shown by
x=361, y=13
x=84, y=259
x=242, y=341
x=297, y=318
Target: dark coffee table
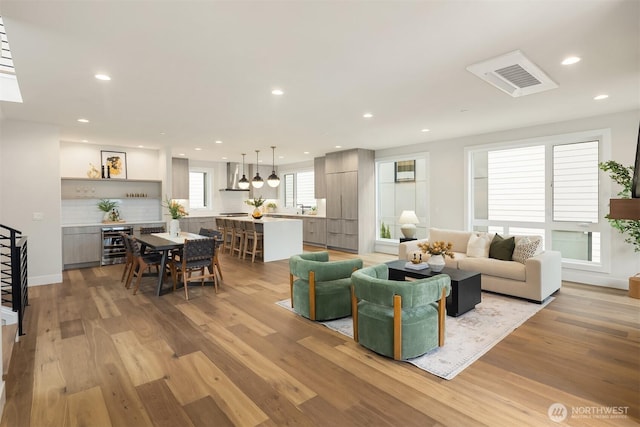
x=465, y=285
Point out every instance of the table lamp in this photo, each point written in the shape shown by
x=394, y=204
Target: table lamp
x=408, y=219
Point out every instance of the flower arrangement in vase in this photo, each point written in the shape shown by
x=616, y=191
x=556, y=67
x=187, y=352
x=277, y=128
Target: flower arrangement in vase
x=176, y=211
x=438, y=250
x=256, y=203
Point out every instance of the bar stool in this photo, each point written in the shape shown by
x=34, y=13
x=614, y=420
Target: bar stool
x=253, y=242
x=227, y=237
x=238, y=238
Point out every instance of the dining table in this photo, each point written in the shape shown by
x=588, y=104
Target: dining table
x=164, y=243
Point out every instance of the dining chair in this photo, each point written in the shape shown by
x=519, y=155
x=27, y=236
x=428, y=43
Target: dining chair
x=218, y=236
x=253, y=241
x=149, y=230
x=197, y=255
x=141, y=262
x=128, y=260
x=238, y=238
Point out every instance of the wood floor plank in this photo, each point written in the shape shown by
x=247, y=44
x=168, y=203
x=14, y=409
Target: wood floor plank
x=207, y=377
x=161, y=406
x=144, y=363
x=103, y=302
x=291, y=388
x=87, y=408
x=206, y=413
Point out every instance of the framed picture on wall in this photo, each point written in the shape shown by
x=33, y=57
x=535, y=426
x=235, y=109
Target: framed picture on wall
x=115, y=164
x=405, y=171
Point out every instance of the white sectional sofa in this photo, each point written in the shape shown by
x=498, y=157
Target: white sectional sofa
x=534, y=278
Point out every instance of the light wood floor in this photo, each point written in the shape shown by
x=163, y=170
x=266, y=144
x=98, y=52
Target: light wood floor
x=95, y=355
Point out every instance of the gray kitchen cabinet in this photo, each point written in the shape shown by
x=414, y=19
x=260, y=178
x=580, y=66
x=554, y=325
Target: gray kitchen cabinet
x=194, y=224
x=314, y=231
x=350, y=196
x=319, y=178
x=81, y=247
x=179, y=178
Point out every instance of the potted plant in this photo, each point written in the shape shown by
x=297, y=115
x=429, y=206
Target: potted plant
x=271, y=206
x=438, y=250
x=622, y=175
x=107, y=206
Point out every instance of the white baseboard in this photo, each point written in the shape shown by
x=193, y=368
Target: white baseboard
x=590, y=278
x=3, y=396
x=45, y=280
x=8, y=316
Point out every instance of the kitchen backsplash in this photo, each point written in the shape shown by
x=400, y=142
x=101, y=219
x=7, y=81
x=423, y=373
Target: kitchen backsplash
x=85, y=211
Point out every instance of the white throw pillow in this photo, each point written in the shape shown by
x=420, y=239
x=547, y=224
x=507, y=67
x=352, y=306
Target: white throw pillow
x=525, y=249
x=478, y=246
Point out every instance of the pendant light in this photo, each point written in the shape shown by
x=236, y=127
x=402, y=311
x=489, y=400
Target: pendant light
x=273, y=179
x=243, y=183
x=257, y=180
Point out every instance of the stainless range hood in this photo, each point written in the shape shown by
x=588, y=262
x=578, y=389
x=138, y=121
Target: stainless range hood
x=234, y=173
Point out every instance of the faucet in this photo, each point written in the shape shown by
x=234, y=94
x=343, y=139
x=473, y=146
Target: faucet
x=302, y=206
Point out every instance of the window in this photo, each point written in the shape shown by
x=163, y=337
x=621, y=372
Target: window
x=200, y=185
x=508, y=194
x=299, y=189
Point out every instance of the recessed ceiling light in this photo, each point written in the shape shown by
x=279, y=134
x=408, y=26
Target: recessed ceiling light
x=281, y=157
x=277, y=92
x=103, y=77
x=218, y=142
x=140, y=146
x=198, y=149
x=85, y=140
x=571, y=60
x=600, y=97
x=181, y=154
x=306, y=152
x=425, y=130
x=338, y=146
x=224, y=158
x=367, y=115
x=83, y=120
x=162, y=133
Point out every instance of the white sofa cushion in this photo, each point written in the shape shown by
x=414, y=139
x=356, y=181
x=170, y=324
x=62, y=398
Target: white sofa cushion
x=478, y=246
x=494, y=267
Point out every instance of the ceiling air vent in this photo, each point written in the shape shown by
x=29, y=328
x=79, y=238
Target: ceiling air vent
x=514, y=74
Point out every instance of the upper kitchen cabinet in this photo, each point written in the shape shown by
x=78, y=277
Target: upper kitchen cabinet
x=343, y=161
x=319, y=176
x=179, y=178
x=350, y=195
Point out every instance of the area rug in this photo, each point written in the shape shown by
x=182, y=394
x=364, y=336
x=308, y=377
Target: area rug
x=468, y=336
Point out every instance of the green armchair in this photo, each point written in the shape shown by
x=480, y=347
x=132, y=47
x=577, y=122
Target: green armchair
x=398, y=319
x=321, y=289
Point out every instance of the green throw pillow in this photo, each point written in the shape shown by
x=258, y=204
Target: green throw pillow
x=502, y=248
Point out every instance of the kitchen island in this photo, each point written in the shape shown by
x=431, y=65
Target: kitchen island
x=282, y=236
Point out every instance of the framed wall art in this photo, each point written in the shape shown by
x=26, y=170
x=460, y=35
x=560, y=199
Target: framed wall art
x=114, y=163
x=405, y=171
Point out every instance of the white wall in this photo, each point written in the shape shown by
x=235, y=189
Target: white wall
x=30, y=182
x=447, y=194
x=141, y=163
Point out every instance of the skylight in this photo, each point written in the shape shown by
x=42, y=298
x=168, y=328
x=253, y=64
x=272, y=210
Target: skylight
x=9, y=90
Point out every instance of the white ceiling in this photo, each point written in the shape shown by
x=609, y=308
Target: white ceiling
x=200, y=71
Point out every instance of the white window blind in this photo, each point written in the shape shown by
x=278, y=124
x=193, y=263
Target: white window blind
x=516, y=184
x=575, y=182
x=288, y=191
x=197, y=190
x=305, y=189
